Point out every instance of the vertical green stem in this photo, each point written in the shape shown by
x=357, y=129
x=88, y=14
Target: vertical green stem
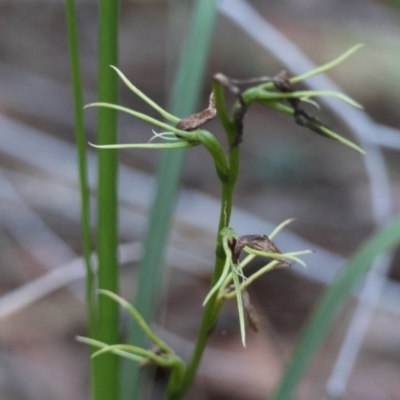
x=106, y=366
x=82, y=160
x=211, y=309
x=210, y=314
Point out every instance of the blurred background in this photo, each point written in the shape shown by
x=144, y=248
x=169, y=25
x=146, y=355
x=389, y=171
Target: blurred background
x=338, y=196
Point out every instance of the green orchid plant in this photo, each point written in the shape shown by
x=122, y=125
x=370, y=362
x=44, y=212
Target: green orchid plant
x=228, y=280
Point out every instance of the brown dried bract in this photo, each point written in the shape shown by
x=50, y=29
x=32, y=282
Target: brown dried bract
x=196, y=120
x=256, y=242
x=252, y=316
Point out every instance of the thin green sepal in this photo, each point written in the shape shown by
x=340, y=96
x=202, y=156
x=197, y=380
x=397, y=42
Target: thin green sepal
x=150, y=102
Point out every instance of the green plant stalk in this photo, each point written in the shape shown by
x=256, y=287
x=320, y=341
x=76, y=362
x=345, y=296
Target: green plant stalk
x=213, y=305
x=211, y=309
x=82, y=163
x=106, y=369
x=331, y=303
x=183, y=102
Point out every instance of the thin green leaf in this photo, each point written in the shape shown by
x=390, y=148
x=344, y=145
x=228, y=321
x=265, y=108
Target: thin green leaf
x=150, y=102
x=330, y=304
x=106, y=379
x=80, y=138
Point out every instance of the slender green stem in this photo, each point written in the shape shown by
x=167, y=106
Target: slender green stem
x=213, y=303
x=106, y=367
x=175, y=379
x=226, y=122
x=210, y=315
x=211, y=308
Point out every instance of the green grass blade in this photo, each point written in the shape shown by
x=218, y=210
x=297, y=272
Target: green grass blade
x=82, y=156
x=183, y=102
x=107, y=366
x=330, y=304
x=80, y=138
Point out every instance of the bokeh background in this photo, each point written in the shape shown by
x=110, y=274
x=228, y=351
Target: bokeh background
x=338, y=196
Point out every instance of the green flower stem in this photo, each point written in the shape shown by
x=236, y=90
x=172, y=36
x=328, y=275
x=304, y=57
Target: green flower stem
x=217, y=153
x=213, y=305
x=175, y=379
x=226, y=122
